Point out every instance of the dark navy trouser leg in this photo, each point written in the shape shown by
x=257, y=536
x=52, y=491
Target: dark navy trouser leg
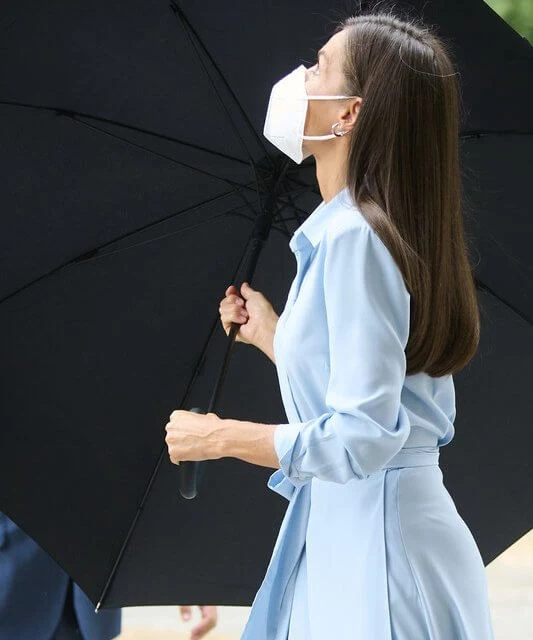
x=68, y=625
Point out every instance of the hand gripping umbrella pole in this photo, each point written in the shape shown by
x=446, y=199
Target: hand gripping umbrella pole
x=190, y=472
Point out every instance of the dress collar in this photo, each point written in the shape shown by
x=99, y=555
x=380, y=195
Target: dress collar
x=314, y=226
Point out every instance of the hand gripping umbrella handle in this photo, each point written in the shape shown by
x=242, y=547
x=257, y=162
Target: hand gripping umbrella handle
x=189, y=473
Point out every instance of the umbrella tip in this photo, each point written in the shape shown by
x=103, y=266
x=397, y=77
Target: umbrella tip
x=97, y=607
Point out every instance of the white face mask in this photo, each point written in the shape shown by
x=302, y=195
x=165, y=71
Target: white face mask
x=286, y=114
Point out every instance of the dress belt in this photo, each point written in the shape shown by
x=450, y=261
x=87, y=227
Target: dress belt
x=420, y=450
x=414, y=457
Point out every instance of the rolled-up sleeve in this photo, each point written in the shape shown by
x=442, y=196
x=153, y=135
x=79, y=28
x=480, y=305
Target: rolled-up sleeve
x=367, y=309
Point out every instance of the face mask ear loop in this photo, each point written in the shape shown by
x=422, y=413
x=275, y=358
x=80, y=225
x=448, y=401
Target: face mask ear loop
x=328, y=137
x=325, y=97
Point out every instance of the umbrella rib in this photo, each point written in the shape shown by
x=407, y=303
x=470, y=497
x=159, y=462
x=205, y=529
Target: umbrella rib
x=227, y=181
x=187, y=27
x=92, y=258
x=91, y=252
x=170, y=234
x=294, y=207
x=483, y=287
x=194, y=375
x=161, y=136
x=91, y=255
x=185, y=23
x=486, y=132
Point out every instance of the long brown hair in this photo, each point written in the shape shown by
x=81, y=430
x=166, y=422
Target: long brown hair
x=403, y=171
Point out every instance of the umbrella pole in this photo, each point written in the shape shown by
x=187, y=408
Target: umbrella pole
x=190, y=472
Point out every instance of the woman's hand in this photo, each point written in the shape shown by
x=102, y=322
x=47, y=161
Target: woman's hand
x=253, y=312
x=193, y=436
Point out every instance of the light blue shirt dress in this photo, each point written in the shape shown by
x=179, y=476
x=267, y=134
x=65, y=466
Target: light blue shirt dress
x=371, y=546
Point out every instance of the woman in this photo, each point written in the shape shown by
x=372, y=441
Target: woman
x=381, y=314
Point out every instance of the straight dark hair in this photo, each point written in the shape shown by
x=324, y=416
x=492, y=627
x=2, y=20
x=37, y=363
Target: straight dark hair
x=403, y=172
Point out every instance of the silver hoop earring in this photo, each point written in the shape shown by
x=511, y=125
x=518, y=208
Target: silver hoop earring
x=340, y=133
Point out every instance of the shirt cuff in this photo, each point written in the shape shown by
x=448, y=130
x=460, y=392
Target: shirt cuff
x=285, y=437
x=279, y=483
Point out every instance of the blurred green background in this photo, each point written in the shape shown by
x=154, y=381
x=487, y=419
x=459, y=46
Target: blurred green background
x=517, y=13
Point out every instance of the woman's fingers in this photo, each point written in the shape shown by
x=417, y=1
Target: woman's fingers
x=231, y=301
x=232, y=309
x=233, y=316
x=226, y=306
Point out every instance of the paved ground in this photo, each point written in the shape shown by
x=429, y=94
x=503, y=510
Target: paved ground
x=510, y=580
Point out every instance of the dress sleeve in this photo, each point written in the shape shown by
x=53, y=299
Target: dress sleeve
x=367, y=310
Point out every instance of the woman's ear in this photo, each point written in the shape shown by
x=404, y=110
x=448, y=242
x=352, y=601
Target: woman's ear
x=349, y=116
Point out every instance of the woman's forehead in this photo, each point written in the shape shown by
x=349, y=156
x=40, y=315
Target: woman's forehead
x=333, y=48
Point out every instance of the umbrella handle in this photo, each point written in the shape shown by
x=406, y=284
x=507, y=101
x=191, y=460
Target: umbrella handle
x=189, y=473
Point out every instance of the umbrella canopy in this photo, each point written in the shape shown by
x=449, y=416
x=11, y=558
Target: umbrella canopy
x=134, y=173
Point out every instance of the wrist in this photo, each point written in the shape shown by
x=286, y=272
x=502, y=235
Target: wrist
x=228, y=439
x=213, y=437
x=249, y=441
x=265, y=341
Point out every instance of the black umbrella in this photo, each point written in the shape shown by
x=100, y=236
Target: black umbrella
x=134, y=178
